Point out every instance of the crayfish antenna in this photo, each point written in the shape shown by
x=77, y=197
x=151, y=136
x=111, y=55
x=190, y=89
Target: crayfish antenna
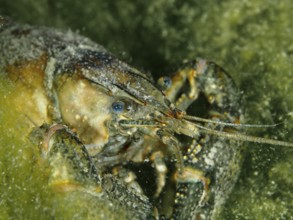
x=198, y=119
x=238, y=136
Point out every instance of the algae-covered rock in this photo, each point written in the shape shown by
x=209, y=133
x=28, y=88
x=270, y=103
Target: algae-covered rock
x=250, y=39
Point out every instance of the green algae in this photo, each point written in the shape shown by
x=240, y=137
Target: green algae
x=250, y=39
x=23, y=191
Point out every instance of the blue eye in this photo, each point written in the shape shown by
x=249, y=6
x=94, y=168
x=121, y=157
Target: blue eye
x=167, y=81
x=164, y=82
x=118, y=107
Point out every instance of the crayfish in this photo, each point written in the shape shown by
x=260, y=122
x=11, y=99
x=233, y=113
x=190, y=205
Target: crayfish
x=100, y=123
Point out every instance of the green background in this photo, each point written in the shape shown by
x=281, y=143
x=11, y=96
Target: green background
x=251, y=39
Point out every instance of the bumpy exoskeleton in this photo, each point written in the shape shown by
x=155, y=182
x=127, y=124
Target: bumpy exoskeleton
x=122, y=119
x=73, y=173
x=215, y=160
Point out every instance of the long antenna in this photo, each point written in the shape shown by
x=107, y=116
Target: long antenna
x=198, y=119
x=242, y=137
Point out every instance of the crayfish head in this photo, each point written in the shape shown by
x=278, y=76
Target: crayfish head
x=85, y=108
x=96, y=114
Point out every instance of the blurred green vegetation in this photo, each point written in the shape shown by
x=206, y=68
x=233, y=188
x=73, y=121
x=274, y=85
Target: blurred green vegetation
x=250, y=39
x=23, y=191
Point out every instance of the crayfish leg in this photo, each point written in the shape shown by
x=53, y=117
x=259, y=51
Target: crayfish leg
x=204, y=77
x=161, y=170
x=203, y=89
x=76, y=182
x=192, y=175
x=69, y=163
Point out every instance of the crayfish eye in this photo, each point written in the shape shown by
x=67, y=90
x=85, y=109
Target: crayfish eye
x=118, y=107
x=165, y=82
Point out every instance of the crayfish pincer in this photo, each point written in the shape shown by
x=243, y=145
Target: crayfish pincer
x=110, y=134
